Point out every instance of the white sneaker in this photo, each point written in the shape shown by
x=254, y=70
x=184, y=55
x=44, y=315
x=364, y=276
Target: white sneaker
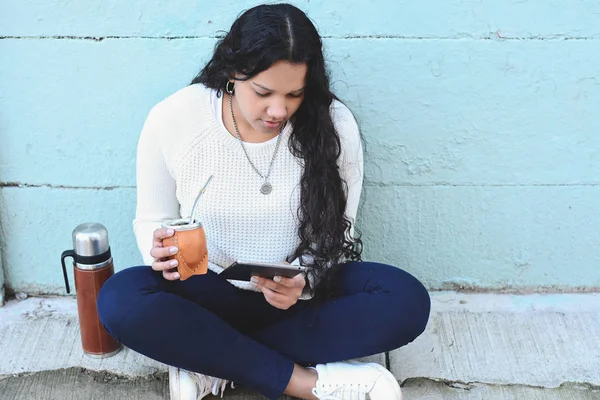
x=186, y=385
x=352, y=380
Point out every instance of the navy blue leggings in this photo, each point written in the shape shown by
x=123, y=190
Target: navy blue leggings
x=204, y=324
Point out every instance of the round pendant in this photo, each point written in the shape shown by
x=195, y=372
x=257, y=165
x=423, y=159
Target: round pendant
x=266, y=188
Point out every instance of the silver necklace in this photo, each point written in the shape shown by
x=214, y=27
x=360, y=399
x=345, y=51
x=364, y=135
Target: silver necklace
x=266, y=187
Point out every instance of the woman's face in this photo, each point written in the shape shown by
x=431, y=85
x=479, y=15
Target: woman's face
x=270, y=98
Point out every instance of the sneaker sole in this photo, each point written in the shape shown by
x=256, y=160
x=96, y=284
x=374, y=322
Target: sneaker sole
x=174, y=384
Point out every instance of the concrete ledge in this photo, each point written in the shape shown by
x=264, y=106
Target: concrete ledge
x=41, y=334
x=476, y=346
x=531, y=340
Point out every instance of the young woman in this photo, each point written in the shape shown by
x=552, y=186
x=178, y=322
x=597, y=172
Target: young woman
x=287, y=162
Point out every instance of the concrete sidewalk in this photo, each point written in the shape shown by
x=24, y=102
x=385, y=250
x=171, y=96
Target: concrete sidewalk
x=477, y=346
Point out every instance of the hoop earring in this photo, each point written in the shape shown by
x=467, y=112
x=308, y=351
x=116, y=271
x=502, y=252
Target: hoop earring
x=229, y=87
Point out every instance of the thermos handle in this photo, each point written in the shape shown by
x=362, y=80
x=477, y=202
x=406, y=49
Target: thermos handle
x=65, y=254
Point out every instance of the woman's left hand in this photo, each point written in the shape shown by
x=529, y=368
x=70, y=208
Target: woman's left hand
x=281, y=292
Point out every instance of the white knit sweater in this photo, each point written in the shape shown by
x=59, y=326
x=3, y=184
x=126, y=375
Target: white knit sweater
x=183, y=142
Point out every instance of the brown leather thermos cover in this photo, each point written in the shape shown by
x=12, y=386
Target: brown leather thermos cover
x=94, y=338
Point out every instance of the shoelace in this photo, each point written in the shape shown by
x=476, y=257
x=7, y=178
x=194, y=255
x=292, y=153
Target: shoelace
x=356, y=392
x=210, y=385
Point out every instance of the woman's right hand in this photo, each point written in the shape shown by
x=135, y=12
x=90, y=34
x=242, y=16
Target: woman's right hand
x=160, y=254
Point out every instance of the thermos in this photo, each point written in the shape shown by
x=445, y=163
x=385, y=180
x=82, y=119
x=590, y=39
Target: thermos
x=93, y=265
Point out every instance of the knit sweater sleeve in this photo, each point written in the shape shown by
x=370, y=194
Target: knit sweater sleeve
x=156, y=200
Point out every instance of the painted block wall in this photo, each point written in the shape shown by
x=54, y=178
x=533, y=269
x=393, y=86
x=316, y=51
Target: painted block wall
x=2, y=290
x=480, y=119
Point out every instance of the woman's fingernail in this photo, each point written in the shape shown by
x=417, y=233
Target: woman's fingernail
x=173, y=263
x=277, y=279
x=176, y=276
x=170, y=231
x=173, y=250
x=254, y=280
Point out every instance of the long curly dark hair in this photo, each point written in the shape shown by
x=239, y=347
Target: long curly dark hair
x=260, y=37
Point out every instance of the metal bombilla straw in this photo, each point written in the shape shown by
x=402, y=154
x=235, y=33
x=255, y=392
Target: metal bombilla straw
x=198, y=198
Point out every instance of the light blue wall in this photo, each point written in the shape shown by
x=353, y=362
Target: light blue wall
x=480, y=117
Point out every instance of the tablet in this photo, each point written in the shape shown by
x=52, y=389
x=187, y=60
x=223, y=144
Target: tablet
x=243, y=271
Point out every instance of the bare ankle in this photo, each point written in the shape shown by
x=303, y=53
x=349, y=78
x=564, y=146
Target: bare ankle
x=302, y=383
